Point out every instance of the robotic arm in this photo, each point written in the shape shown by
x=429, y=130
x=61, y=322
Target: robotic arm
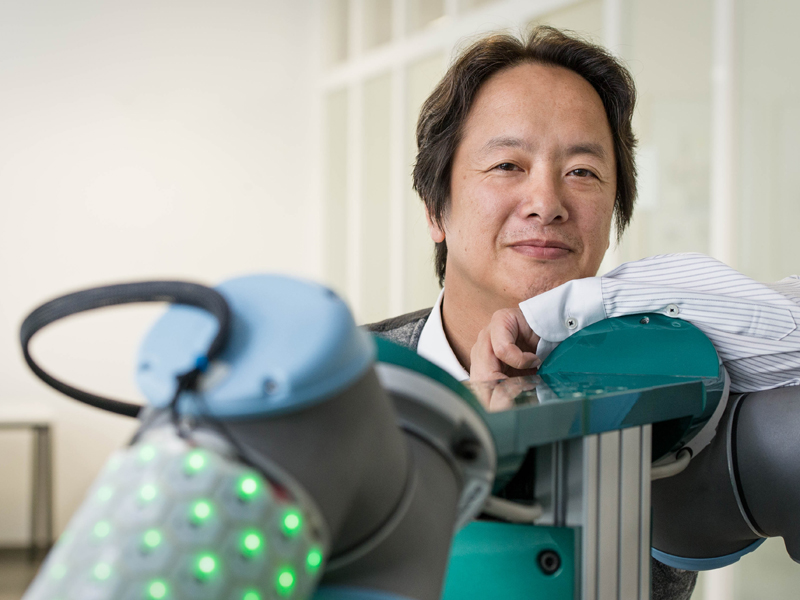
x=283, y=461
x=277, y=458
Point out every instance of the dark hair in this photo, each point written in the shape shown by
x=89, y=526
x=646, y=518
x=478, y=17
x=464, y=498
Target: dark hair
x=442, y=118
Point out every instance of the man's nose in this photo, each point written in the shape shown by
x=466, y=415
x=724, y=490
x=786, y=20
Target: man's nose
x=542, y=197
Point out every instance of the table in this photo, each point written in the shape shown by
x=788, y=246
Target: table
x=41, y=516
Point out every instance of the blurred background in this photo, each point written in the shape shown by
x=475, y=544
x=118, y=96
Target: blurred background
x=206, y=139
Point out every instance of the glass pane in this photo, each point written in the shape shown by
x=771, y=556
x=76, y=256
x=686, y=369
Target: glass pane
x=670, y=56
x=421, y=286
x=335, y=191
x=584, y=18
x=769, y=206
x=766, y=573
x=377, y=23
x=335, y=31
x=769, y=89
x=422, y=13
x=376, y=193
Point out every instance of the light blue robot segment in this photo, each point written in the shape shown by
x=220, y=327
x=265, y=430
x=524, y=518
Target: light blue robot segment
x=704, y=564
x=292, y=343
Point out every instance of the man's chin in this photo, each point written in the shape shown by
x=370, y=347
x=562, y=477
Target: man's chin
x=526, y=287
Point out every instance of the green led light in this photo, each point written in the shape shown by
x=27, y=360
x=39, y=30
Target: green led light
x=195, y=462
x=148, y=492
x=58, y=571
x=313, y=559
x=157, y=590
x=101, y=571
x=205, y=566
x=252, y=543
x=285, y=581
x=292, y=522
x=147, y=453
x=248, y=487
x=102, y=529
x=114, y=463
x=201, y=510
x=152, y=539
x=251, y=595
x=104, y=493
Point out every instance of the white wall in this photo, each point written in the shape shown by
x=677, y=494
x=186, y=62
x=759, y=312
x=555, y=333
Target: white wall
x=139, y=140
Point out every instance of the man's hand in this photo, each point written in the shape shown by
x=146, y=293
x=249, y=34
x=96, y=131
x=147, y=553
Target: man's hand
x=505, y=348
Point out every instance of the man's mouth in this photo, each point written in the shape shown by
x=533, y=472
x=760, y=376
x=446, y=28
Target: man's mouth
x=541, y=248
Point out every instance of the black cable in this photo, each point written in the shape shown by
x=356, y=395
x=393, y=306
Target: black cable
x=742, y=500
x=174, y=292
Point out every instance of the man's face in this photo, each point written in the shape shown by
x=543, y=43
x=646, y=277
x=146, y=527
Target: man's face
x=532, y=187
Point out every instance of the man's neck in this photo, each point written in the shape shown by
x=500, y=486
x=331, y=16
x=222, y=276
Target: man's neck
x=464, y=314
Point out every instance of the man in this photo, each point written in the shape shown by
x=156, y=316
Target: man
x=525, y=153
x=525, y=156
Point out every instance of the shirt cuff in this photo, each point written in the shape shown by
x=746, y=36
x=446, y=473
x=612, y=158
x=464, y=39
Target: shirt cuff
x=557, y=314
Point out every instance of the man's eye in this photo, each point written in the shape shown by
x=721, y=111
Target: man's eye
x=582, y=173
x=507, y=166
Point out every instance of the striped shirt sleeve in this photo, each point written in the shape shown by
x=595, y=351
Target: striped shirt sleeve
x=754, y=326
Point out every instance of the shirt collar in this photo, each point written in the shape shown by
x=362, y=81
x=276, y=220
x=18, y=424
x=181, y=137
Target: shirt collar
x=433, y=344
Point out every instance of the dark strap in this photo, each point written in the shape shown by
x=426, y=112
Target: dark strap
x=174, y=292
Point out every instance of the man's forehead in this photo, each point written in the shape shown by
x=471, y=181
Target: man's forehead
x=532, y=105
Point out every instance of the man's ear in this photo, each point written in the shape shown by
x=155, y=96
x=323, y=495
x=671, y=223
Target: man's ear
x=436, y=232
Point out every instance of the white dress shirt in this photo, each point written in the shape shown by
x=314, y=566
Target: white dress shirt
x=434, y=346
x=754, y=326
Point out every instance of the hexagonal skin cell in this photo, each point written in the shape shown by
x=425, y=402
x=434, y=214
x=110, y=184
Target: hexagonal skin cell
x=102, y=581
x=145, y=458
x=242, y=507
x=245, y=560
x=69, y=561
x=276, y=582
x=152, y=588
x=99, y=534
x=252, y=592
x=51, y=581
x=186, y=482
x=288, y=543
x=189, y=530
x=151, y=551
x=308, y=575
x=198, y=581
x=115, y=463
x=142, y=506
x=94, y=509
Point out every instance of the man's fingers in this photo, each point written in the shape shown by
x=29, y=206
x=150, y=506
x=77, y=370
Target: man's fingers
x=525, y=331
x=484, y=365
x=506, y=330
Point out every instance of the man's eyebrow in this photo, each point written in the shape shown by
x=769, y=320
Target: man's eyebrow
x=586, y=148
x=505, y=142
x=591, y=148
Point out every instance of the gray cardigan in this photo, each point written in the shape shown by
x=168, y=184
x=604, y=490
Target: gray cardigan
x=405, y=330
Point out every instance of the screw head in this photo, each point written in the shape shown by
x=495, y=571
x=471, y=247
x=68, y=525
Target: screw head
x=549, y=561
x=270, y=386
x=466, y=449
